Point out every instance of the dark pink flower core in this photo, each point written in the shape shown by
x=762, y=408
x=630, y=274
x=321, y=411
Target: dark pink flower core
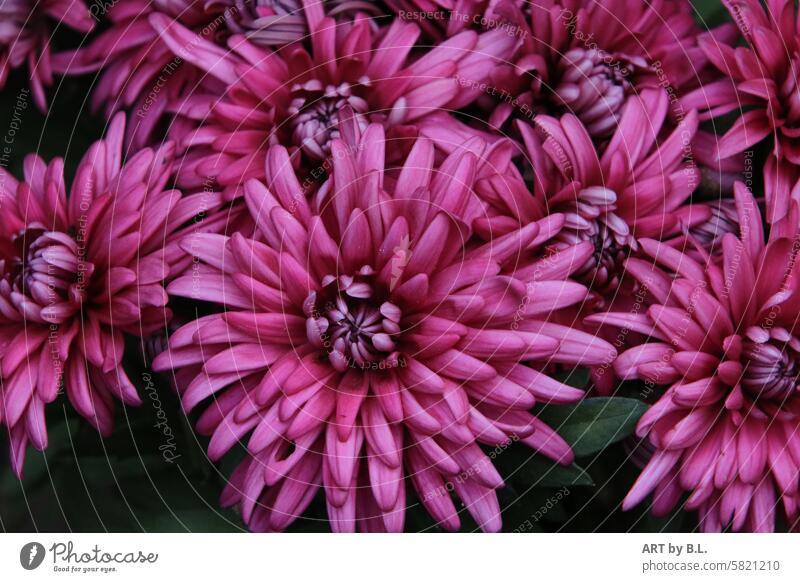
x=723, y=220
x=50, y=272
x=351, y=323
x=771, y=364
x=592, y=218
x=276, y=22
x=592, y=89
x=314, y=109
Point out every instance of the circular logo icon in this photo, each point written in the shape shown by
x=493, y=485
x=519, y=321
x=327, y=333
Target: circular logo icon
x=31, y=555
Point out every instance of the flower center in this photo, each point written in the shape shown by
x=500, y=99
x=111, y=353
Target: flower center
x=724, y=219
x=265, y=22
x=315, y=114
x=49, y=271
x=272, y=23
x=591, y=217
x=773, y=363
x=603, y=269
x=351, y=325
x=593, y=85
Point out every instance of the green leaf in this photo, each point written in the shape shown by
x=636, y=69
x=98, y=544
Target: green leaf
x=576, y=377
x=520, y=465
x=546, y=473
x=594, y=423
x=709, y=13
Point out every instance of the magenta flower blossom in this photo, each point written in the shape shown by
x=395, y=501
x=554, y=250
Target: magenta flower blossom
x=597, y=203
x=761, y=81
x=79, y=274
x=366, y=339
x=725, y=342
x=25, y=29
x=143, y=73
x=636, y=186
x=587, y=57
x=293, y=97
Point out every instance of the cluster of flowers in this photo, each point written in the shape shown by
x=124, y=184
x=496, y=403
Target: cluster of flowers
x=401, y=227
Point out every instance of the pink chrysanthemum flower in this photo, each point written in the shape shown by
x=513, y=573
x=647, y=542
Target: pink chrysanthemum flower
x=77, y=275
x=25, y=29
x=365, y=339
x=294, y=97
x=727, y=343
x=635, y=186
x=760, y=79
x=587, y=57
x=145, y=74
x=597, y=203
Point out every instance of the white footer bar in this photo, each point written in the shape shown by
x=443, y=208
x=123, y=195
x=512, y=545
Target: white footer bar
x=402, y=557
